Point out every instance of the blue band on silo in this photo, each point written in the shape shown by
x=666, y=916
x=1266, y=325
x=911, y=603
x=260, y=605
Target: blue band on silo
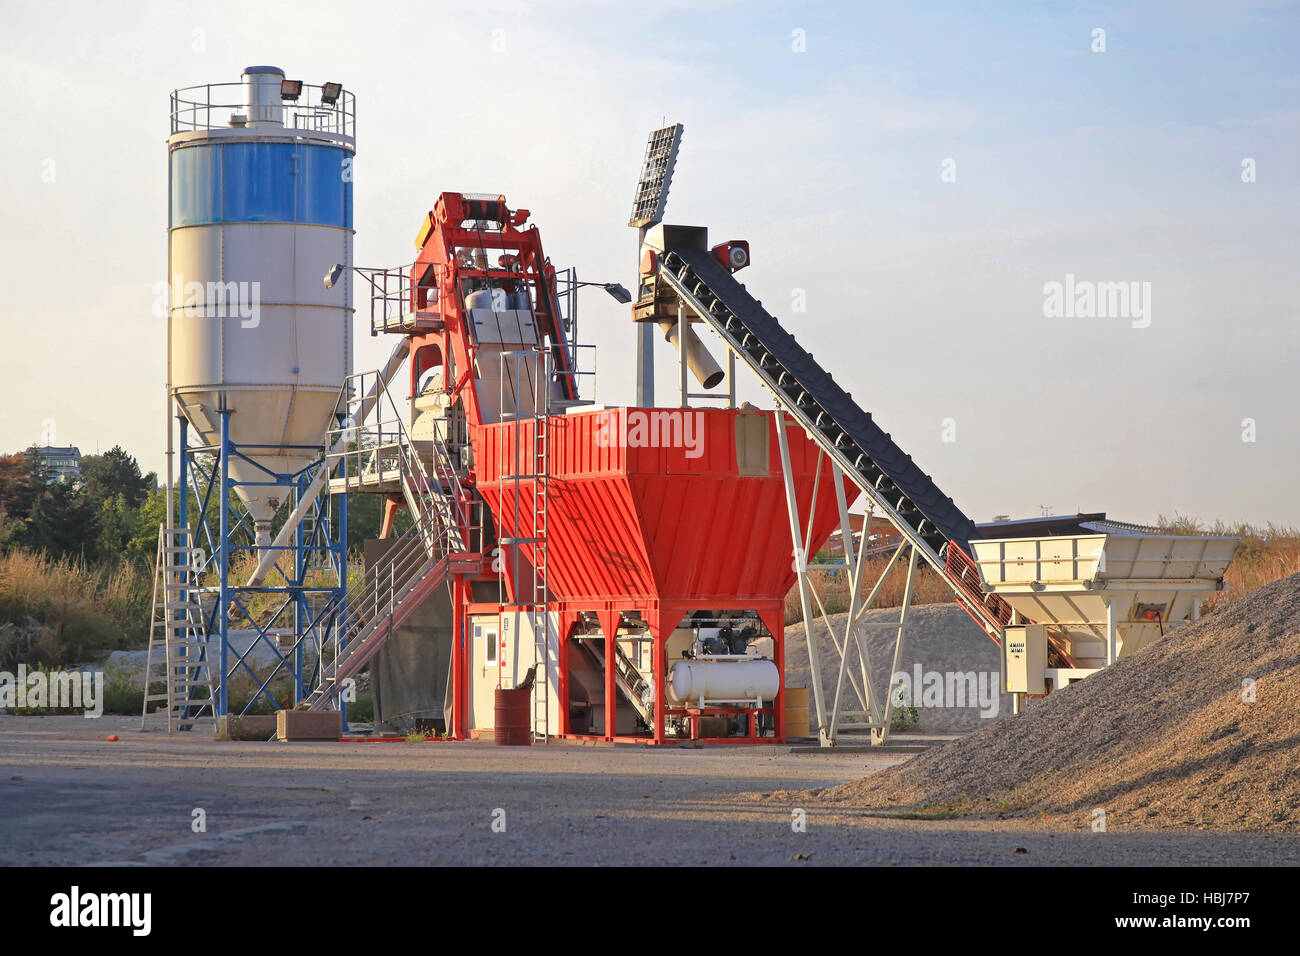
x=261, y=182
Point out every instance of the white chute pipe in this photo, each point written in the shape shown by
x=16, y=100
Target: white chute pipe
x=702, y=365
x=304, y=503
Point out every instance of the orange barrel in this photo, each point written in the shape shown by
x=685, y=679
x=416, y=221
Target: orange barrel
x=796, y=713
x=513, y=710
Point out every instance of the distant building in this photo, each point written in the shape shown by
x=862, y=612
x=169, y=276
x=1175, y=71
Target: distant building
x=883, y=537
x=63, y=461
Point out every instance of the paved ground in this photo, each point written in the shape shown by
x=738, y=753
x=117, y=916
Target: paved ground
x=69, y=796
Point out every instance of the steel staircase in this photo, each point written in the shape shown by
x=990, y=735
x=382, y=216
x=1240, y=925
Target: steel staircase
x=963, y=573
x=373, y=611
x=419, y=561
x=178, y=643
x=627, y=676
x=927, y=518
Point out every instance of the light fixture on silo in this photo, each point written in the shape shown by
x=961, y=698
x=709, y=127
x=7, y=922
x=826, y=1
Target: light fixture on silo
x=330, y=93
x=290, y=90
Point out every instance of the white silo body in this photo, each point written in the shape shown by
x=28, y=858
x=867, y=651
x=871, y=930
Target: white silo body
x=260, y=209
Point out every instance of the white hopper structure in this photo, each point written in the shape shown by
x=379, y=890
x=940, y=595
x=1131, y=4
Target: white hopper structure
x=1096, y=597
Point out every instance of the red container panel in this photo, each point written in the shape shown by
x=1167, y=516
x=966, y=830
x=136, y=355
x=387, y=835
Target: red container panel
x=660, y=512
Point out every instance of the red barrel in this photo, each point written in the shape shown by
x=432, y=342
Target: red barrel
x=513, y=711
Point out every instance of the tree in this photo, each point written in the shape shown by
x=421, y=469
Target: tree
x=66, y=524
x=13, y=468
x=117, y=526
x=24, y=488
x=104, y=477
x=143, y=546
x=30, y=486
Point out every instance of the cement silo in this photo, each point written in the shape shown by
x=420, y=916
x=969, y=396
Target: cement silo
x=260, y=207
x=259, y=348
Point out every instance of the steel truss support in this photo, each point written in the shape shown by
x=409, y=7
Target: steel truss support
x=875, y=708
x=305, y=589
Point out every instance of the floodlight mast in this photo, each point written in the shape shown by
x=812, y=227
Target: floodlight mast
x=647, y=210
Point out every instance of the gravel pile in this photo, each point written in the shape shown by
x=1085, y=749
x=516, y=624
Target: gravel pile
x=1169, y=738
x=941, y=638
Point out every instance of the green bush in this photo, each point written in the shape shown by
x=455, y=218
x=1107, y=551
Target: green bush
x=904, y=715
x=361, y=710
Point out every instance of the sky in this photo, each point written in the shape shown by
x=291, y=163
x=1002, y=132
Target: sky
x=912, y=179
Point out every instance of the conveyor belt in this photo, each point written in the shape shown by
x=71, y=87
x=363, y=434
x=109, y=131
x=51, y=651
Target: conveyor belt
x=865, y=452
x=897, y=487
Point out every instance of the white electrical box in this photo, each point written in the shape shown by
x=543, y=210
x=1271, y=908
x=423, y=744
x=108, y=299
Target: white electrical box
x=1024, y=658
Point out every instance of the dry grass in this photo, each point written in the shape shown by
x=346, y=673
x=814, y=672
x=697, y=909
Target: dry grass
x=65, y=611
x=1265, y=554
x=834, y=587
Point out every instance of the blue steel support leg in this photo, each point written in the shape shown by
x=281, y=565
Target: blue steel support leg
x=340, y=595
x=223, y=617
x=300, y=599
x=183, y=516
x=184, y=503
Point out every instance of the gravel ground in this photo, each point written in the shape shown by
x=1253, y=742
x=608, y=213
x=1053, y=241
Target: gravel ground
x=940, y=637
x=69, y=796
x=1165, y=739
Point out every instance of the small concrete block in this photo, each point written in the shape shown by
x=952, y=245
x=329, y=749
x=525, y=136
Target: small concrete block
x=309, y=724
x=247, y=727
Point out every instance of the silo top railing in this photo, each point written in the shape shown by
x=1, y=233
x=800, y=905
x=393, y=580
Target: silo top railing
x=211, y=106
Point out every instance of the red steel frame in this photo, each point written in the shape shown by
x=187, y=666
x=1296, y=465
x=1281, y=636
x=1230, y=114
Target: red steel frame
x=615, y=488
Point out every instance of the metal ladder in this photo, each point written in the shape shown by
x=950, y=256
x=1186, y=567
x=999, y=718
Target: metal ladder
x=528, y=475
x=177, y=636
x=541, y=588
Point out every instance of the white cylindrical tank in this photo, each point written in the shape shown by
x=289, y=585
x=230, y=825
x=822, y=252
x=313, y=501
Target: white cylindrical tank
x=257, y=215
x=724, y=680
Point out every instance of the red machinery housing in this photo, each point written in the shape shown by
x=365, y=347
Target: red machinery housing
x=651, y=518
